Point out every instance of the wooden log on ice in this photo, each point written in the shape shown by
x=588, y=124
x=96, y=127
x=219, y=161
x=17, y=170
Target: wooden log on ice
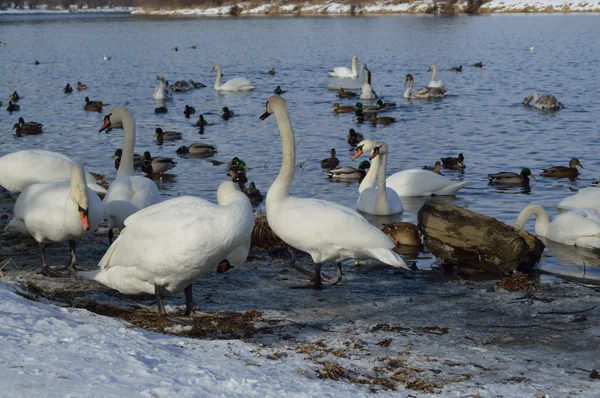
x=466, y=239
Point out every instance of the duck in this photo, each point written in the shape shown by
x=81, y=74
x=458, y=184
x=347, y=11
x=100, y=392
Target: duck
x=175, y=49
x=454, y=163
x=384, y=120
x=161, y=109
x=253, y=194
x=343, y=71
x=237, y=176
x=279, y=91
x=403, y=233
x=167, y=246
x=128, y=193
x=12, y=107
x=162, y=136
x=271, y=72
x=330, y=163
x=383, y=106
x=354, y=138
x=29, y=128
x=377, y=200
x=81, y=86
x=235, y=84
x=434, y=83
x=137, y=159
x=425, y=93
x=197, y=149
x=201, y=121
x=95, y=106
x=189, y=110
x=563, y=171
x=57, y=211
x=478, y=65
x=14, y=97
x=162, y=92
x=226, y=114
x=337, y=108
x=347, y=173
x=544, y=102
x=107, y=57
x=511, y=178
x=457, y=69
x=156, y=166
x=68, y=89
x=181, y=86
x=36, y=62
x=436, y=167
x=327, y=231
x=193, y=47
x=20, y=169
x=196, y=84
x=585, y=197
x=577, y=227
x=346, y=94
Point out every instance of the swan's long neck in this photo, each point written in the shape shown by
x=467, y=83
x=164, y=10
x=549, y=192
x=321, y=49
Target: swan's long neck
x=126, y=166
x=281, y=186
x=541, y=219
x=381, y=201
x=408, y=92
x=362, y=73
x=218, y=81
x=369, y=180
x=354, y=62
x=434, y=75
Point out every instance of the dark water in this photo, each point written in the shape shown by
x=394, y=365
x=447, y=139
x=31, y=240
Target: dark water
x=482, y=117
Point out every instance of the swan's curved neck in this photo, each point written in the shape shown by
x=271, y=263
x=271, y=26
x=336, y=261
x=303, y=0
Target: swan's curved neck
x=362, y=74
x=281, y=186
x=434, y=74
x=354, y=63
x=126, y=166
x=381, y=201
x=218, y=81
x=541, y=219
x=371, y=176
x=408, y=92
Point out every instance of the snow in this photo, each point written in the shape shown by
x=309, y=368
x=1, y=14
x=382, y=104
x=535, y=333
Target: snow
x=43, y=9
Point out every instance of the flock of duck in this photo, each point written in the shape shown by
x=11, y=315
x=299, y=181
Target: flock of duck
x=59, y=200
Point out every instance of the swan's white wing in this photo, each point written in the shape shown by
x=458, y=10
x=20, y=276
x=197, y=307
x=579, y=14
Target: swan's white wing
x=182, y=201
x=126, y=196
x=367, y=202
x=237, y=84
x=579, y=223
x=436, y=84
x=341, y=71
x=586, y=197
x=418, y=182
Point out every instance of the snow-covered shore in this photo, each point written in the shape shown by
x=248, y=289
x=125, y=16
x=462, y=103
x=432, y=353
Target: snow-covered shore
x=43, y=9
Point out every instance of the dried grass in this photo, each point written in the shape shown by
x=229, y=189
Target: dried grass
x=262, y=235
x=517, y=282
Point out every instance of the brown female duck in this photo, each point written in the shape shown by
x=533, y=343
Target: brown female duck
x=454, y=163
x=435, y=168
x=94, y=106
x=563, y=171
x=81, y=86
x=330, y=163
x=345, y=94
x=385, y=120
x=29, y=128
x=343, y=109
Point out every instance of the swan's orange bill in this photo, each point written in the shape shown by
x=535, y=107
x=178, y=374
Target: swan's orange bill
x=359, y=152
x=105, y=124
x=85, y=221
x=375, y=153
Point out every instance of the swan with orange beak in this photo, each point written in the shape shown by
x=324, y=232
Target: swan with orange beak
x=56, y=211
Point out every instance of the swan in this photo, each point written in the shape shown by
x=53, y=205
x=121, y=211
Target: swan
x=56, y=211
x=545, y=102
x=419, y=182
x=586, y=197
x=578, y=227
x=435, y=83
x=163, y=92
x=235, y=84
x=342, y=71
x=367, y=92
x=380, y=200
x=349, y=83
x=20, y=169
x=128, y=193
x=422, y=93
x=165, y=247
x=326, y=230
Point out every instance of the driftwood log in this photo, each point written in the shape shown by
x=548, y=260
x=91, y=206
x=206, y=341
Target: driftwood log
x=466, y=239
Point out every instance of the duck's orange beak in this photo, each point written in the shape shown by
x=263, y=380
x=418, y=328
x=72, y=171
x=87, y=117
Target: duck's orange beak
x=359, y=152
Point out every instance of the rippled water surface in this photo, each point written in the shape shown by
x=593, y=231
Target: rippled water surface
x=482, y=117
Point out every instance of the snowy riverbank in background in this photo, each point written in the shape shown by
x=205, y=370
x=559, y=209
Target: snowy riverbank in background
x=43, y=9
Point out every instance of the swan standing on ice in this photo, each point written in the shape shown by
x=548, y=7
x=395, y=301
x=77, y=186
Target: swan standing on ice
x=128, y=193
x=163, y=92
x=545, y=102
x=326, y=230
x=235, y=84
x=424, y=93
x=435, y=83
x=56, y=211
x=342, y=71
x=380, y=200
x=578, y=227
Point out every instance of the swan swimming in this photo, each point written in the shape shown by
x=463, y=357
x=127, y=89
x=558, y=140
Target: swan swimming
x=544, y=102
x=425, y=93
x=586, y=197
x=349, y=83
x=162, y=92
x=434, y=83
x=342, y=71
x=235, y=84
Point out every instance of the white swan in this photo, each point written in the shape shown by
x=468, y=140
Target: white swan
x=56, y=211
x=544, y=102
x=380, y=200
x=342, y=71
x=367, y=92
x=326, y=230
x=163, y=92
x=128, y=193
x=586, y=197
x=434, y=83
x=349, y=83
x=419, y=182
x=165, y=247
x=579, y=227
x=235, y=84
x=424, y=93
x=20, y=169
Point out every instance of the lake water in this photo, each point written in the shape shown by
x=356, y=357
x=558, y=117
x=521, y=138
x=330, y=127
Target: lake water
x=482, y=117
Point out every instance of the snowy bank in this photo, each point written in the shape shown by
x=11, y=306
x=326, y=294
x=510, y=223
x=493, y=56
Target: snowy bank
x=43, y=9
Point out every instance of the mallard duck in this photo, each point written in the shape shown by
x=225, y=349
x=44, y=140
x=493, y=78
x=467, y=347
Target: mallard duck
x=425, y=93
x=253, y=194
x=14, y=97
x=226, y=114
x=201, y=121
x=347, y=173
x=403, y=233
x=153, y=166
x=68, y=89
x=175, y=49
x=193, y=47
x=345, y=94
x=81, y=86
x=330, y=163
x=436, y=167
x=454, y=163
x=511, y=178
x=562, y=171
x=278, y=91
x=385, y=105
x=545, y=102
x=478, y=65
x=385, y=120
x=237, y=164
x=12, y=107
x=162, y=136
x=197, y=149
x=29, y=128
x=189, y=110
x=95, y=106
x=237, y=176
x=271, y=72
x=343, y=109
x=107, y=57
x=161, y=109
x=455, y=69
x=354, y=138
x=137, y=159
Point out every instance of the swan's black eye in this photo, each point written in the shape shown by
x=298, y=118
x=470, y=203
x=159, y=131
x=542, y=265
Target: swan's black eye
x=82, y=210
